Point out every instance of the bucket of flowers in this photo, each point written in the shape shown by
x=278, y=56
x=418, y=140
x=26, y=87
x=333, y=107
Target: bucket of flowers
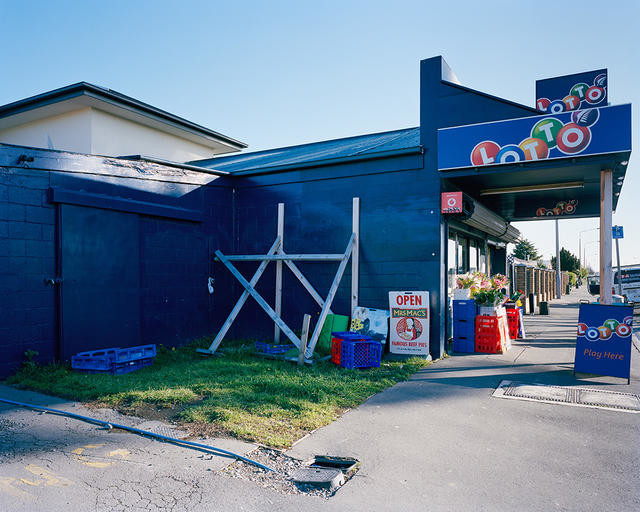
x=466, y=286
x=490, y=294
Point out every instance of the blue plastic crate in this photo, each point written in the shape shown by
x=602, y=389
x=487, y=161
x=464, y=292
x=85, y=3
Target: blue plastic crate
x=464, y=309
x=120, y=368
x=464, y=344
x=268, y=348
x=102, y=360
x=464, y=327
x=351, y=336
x=360, y=354
x=134, y=353
x=130, y=366
x=94, y=359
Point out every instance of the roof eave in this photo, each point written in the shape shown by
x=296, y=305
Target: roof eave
x=85, y=88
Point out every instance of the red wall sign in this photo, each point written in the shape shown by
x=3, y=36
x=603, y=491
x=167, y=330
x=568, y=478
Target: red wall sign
x=451, y=202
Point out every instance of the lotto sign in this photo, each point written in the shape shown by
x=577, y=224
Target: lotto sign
x=572, y=92
x=409, y=326
x=603, y=345
x=568, y=134
x=451, y=202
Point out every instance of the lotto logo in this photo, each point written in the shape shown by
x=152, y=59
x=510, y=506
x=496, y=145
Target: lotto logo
x=580, y=92
x=570, y=139
x=605, y=331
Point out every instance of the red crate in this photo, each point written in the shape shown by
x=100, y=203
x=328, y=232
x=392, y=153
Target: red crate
x=489, y=344
x=490, y=334
x=336, y=348
x=513, y=319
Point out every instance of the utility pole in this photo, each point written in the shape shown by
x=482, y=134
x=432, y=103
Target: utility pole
x=558, y=275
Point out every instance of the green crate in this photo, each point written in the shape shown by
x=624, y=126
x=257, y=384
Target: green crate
x=332, y=323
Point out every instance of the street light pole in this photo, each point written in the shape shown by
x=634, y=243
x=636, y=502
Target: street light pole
x=580, y=243
x=558, y=276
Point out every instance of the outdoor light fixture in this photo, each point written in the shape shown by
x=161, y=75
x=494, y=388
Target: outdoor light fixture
x=624, y=163
x=532, y=188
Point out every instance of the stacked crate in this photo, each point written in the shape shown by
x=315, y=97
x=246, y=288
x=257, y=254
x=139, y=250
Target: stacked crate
x=513, y=321
x=491, y=334
x=353, y=350
x=464, y=316
x=114, y=361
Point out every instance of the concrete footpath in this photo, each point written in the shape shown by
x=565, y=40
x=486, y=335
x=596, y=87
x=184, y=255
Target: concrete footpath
x=437, y=442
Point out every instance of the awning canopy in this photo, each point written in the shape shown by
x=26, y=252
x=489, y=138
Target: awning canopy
x=541, y=190
x=539, y=167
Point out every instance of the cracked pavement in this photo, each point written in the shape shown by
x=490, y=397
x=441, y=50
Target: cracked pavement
x=53, y=463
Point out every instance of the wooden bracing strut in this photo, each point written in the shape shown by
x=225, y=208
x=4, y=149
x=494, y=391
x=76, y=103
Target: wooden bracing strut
x=276, y=253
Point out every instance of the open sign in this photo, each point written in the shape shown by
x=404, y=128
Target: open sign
x=409, y=323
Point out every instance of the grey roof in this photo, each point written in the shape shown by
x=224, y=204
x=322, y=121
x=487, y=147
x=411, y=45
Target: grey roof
x=375, y=144
x=85, y=88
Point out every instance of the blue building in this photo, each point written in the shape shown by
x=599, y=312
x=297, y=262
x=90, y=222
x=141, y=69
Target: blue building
x=118, y=251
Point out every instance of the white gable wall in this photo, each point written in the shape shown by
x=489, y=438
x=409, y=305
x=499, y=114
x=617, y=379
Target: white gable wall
x=94, y=131
x=114, y=136
x=70, y=131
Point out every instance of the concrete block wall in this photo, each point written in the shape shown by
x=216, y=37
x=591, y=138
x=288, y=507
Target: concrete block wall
x=175, y=259
x=27, y=257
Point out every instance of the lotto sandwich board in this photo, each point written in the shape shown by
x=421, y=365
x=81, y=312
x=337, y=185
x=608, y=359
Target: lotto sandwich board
x=603, y=345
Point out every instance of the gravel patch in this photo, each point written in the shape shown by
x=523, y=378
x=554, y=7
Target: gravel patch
x=281, y=481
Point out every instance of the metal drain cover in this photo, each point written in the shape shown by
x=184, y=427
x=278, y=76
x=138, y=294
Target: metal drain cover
x=157, y=427
x=580, y=397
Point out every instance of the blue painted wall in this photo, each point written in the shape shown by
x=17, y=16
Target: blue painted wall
x=175, y=255
x=403, y=238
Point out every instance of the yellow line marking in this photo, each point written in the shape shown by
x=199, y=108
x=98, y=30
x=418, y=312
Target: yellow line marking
x=29, y=482
x=50, y=478
x=6, y=485
x=122, y=453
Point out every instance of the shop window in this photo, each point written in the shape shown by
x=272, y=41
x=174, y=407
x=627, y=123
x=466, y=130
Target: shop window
x=463, y=255
x=482, y=257
x=473, y=256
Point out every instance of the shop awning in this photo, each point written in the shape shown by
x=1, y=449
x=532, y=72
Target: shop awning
x=539, y=167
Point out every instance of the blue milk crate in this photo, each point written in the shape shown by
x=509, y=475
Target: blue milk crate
x=103, y=360
x=464, y=309
x=94, y=359
x=464, y=344
x=464, y=327
x=267, y=348
x=133, y=353
x=360, y=354
x=130, y=366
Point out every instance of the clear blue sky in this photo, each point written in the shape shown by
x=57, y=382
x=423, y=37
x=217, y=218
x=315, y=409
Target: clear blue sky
x=281, y=73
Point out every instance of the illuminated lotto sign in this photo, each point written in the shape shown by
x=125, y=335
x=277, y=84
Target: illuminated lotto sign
x=572, y=92
x=409, y=323
x=603, y=343
x=592, y=131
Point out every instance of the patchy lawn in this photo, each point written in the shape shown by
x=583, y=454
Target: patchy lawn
x=271, y=402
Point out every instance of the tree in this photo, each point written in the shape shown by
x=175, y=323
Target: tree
x=568, y=261
x=525, y=250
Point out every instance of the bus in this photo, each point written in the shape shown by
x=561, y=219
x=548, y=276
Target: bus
x=630, y=282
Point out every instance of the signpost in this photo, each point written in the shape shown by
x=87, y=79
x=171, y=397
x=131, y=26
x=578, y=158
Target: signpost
x=409, y=326
x=603, y=345
x=618, y=233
